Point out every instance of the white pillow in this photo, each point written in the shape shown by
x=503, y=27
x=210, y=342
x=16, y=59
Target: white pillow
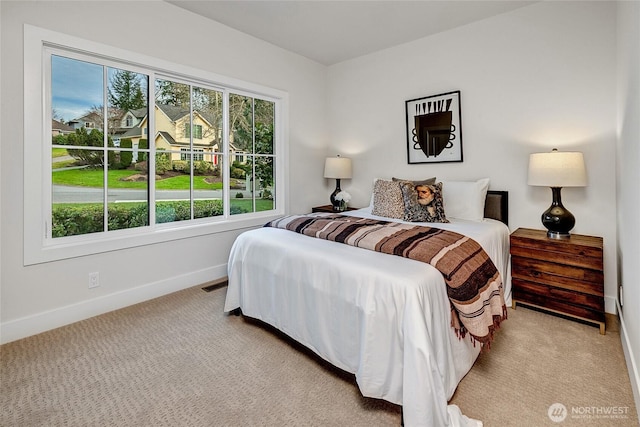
x=465, y=199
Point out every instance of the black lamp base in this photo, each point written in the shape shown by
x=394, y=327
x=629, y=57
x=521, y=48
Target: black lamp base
x=334, y=202
x=557, y=219
x=558, y=235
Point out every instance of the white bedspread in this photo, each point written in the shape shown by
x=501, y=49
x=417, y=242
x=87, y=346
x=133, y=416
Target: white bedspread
x=382, y=317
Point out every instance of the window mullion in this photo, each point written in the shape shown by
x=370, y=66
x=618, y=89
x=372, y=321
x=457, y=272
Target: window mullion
x=253, y=142
x=151, y=146
x=226, y=161
x=105, y=148
x=191, y=132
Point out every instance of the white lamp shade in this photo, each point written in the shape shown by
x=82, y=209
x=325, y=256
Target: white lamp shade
x=337, y=167
x=557, y=169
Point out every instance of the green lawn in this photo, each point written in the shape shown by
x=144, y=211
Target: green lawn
x=94, y=178
x=59, y=152
x=62, y=164
x=245, y=204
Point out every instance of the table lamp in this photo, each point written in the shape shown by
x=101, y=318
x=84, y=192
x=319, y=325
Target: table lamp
x=556, y=170
x=338, y=168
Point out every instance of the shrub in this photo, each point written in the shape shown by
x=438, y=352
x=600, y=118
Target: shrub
x=91, y=157
x=128, y=215
x=181, y=166
x=237, y=173
x=203, y=167
x=234, y=210
x=239, y=195
x=181, y=210
x=88, y=218
x=112, y=160
x=126, y=157
x=75, y=220
x=163, y=163
x=142, y=145
x=60, y=139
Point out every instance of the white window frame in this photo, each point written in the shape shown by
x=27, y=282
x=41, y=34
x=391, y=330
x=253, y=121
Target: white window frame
x=38, y=247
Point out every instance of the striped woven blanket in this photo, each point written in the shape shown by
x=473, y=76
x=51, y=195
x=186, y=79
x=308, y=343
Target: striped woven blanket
x=474, y=285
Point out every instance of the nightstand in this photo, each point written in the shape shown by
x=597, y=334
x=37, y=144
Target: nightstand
x=563, y=276
x=328, y=208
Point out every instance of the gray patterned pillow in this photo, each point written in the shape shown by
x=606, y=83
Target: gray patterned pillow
x=428, y=181
x=387, y=199
x=423, y=203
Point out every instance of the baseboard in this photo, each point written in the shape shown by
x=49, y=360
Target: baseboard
x=41, y=322
x=610, y=305
x=634, y=375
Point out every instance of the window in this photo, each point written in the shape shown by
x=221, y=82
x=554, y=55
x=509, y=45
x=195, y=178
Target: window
x=187, y=126
x=251, y=131
x=197, y=131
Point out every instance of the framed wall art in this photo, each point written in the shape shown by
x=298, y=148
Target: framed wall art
x=434, y=129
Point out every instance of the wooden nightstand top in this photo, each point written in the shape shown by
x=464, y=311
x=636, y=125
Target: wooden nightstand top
x=541, y=236
x=329, y=208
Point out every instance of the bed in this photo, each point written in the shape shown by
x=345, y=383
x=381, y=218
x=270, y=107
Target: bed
x=386, y=319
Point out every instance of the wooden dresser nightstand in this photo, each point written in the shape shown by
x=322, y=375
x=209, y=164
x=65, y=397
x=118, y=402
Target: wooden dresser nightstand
x=328, y=208
x=564, y=276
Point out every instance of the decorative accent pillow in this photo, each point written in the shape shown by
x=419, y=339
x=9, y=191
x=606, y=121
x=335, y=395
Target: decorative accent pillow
x=465, y=199
x=429, y=181
x=387, y=199
x=423, y=203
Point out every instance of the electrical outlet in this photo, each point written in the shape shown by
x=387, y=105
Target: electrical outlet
x=94, y=280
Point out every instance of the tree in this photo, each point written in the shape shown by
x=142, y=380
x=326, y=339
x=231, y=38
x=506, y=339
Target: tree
x=125, y=91
x=82, y=138
x=113, y=117
x=172, y=93
x=264, y=164
x=56, y=115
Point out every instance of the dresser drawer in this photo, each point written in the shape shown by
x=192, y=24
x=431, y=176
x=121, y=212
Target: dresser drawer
x=576, y=255
x=566, y=296
x=563, y=276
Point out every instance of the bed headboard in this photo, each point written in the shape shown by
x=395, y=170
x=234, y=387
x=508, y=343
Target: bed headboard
x=496, y=206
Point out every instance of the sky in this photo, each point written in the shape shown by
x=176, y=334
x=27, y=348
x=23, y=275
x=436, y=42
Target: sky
x=76, y=86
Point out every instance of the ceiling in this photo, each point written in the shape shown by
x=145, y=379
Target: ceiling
x=334, y=31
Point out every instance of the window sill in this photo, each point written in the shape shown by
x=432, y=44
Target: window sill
x=128, y=239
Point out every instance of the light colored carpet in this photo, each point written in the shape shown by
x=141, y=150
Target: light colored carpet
x=179, y=361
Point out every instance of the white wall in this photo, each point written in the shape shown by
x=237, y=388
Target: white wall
x=39, y=297
x=628, y=178
x=539, y=77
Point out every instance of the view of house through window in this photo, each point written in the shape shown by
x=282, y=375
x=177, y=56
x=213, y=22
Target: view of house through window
x=113, y=128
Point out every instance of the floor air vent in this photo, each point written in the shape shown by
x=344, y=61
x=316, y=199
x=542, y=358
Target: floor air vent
x=214, y=286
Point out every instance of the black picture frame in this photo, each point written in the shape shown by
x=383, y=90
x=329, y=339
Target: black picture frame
x=434, y=128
